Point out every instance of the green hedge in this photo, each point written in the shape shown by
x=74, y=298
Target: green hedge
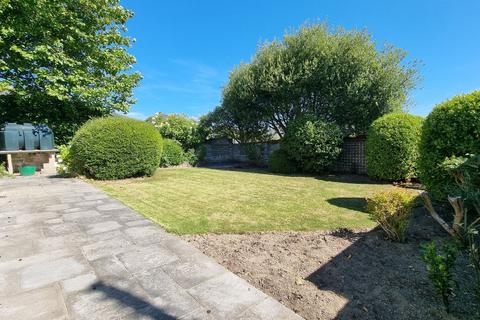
x=173, y=154
x=451, y=129
x=392, y=147
x=279, y=162
x=313, y=144
x=115, y=148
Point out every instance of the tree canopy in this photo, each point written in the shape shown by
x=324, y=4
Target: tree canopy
x=64, y=61
x=177, y=127
x=336, y=76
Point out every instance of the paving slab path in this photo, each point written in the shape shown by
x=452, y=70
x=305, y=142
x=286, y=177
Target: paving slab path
x=69, y=251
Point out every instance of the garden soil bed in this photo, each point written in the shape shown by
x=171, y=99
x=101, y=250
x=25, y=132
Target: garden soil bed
x=343, y=274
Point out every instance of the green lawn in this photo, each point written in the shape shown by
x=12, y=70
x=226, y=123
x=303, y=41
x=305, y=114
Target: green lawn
x=198, y=200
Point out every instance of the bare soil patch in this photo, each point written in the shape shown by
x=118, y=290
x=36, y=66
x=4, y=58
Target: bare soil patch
x=343, y=274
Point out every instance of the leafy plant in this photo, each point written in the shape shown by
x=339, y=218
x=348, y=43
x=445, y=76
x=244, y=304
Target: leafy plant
x=336, y=75
x=254, y=153
x=313, y=144
x=64, y=160
x=466, y=172
x=64, y=62
x=392, y=147
x=173, y=154
x=279, y=162
x=3, y=171
x=451, y=129
x=392, y=210
x=116, y=148
x=176, y=127
x=191, y=157
x=439, y=267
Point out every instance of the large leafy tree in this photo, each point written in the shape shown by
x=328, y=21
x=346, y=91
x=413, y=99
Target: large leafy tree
x=64, y=61
x=177, y=127
x=337, y=76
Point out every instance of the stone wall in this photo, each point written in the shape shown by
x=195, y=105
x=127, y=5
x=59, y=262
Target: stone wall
x=224, y=151
x=351, y=160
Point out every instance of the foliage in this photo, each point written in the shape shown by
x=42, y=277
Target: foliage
x=191, y=157
x=231, y=123
x=392, y=209
x=466, y=172
x=392, y=147
x=63, y=62
x=64, y=160
x=254, y=153
x=338, y=76
x=451, y=129
x=3, y=171
x=313, y=144
x=279, y=162
x=115, y=148
x=439, y=267
x=176, y=127
x=172, y=153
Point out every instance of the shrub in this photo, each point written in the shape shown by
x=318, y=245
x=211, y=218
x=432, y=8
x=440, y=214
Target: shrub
x=3, y=171
x=313, y=144
x=64, y=160
x=392, y=147
x=392, y=209
x=439, y=268
x=116, y=148
x=191, y=157
x=254, y=153
x=176, y=127
x=172, y=153
x=278, y=162
x=451, y=129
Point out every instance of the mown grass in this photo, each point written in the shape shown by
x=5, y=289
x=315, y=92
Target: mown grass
x=200, y=200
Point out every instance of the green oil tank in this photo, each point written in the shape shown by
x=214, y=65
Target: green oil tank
x=32, y=140
x=11, y=137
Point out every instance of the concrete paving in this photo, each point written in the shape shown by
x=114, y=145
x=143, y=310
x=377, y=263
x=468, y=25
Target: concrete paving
x=68, y=251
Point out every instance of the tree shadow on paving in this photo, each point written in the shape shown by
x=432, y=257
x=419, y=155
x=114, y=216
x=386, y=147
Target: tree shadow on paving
x=357, y=204
x=381, y=279
x=141, y=306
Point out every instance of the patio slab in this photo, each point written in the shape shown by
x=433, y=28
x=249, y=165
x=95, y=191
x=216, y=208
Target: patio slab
x=69, y=251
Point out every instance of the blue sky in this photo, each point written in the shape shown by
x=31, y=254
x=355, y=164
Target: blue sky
x=185, y=48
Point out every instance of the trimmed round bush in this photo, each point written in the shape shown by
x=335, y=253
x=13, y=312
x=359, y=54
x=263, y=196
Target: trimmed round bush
x=115, y=148
x=392, y=147
x=173, y=154
x=451, y=129
x=278, y=162
x=313, y=144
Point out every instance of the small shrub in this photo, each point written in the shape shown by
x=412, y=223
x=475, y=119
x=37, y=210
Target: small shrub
x=451, y=129
x=64, y=160
x=439, y=268
x=3, y=171
x=254, y=153
x=191, y=157
x=392, y=147
x=278, y=162
x=115, y=148
x=201, y=153
x=172, y=153
x=392, y=209
x=313, y=144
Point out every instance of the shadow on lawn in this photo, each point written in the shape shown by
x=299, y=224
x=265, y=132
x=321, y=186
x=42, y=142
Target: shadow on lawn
x=357, y=204
x=142, y=308
x=387, y=280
